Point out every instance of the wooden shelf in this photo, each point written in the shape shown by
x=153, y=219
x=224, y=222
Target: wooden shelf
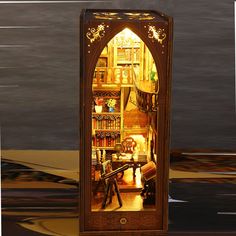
x=108, y=148
x=128, y=62
x=107, y=125
x=108, y=130
x=106, y=113
x=128, y=47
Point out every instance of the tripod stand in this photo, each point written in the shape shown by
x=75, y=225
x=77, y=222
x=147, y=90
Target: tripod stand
x=112, y=184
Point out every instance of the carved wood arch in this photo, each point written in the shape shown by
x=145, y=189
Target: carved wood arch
x=137, y=222
x=99, y=45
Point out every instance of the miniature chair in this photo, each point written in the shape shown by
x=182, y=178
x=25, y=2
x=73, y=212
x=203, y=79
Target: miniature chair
x=128, y=145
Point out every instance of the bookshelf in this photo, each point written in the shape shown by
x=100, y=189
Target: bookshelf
x=107, y=126
x=129, y=55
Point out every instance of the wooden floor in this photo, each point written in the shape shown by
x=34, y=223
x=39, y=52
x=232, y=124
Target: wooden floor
x=132, y=201
x=130, y=189
x=130, y=183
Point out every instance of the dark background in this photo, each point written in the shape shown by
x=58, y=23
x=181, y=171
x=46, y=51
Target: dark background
x=39, y=72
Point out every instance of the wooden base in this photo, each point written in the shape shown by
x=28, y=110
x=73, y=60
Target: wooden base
x=125, y=233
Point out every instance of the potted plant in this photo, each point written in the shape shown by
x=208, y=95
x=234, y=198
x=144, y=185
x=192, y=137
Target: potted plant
x=99, y=102
x=153, y=76
x=111, y=104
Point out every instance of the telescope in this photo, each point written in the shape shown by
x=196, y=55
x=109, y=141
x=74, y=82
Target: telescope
x=114, y=172
x=110, y=183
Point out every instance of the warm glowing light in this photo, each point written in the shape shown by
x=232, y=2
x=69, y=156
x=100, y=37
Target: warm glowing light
x=127, y=38
x=129, y=34
x=141, y=143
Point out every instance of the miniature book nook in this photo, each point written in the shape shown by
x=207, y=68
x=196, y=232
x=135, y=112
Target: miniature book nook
x=124, y=122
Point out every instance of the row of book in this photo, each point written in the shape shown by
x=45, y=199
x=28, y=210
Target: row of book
x=125, y=54
x=106, y=124
x=105, y=142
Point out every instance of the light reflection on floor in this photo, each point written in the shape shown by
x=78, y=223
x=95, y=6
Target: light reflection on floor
x=132, y=201
x=53, y=226
x=130, y=189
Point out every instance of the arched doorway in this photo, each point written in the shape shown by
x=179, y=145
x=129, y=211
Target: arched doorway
x=122, y=132
x=125, y=95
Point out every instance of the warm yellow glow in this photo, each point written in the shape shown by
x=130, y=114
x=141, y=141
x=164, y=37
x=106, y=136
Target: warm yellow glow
x=127, y=38
x=129, y=34
x=141, y=144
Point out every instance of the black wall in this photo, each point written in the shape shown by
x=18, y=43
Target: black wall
x=39, y=72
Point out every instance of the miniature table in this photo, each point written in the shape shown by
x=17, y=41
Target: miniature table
x=134, y=163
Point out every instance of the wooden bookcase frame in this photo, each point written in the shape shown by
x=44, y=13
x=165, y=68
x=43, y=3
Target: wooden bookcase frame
x=98, y=27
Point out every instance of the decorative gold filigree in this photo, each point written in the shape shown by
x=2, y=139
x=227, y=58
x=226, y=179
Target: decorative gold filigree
x=158, y=35
x=146, y=18
x=96, y=34
x=107, y=16
x=123, y=16
x=139, y=16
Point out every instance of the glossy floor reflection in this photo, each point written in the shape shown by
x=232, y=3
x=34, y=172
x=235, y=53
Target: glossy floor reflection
x=206, y=206
x=40, y=225
x=200, y=208
x=132, y=201
x=130, y=189
x=202, y=200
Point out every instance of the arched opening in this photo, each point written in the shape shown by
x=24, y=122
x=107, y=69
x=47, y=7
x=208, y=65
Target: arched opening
x=124, y=126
